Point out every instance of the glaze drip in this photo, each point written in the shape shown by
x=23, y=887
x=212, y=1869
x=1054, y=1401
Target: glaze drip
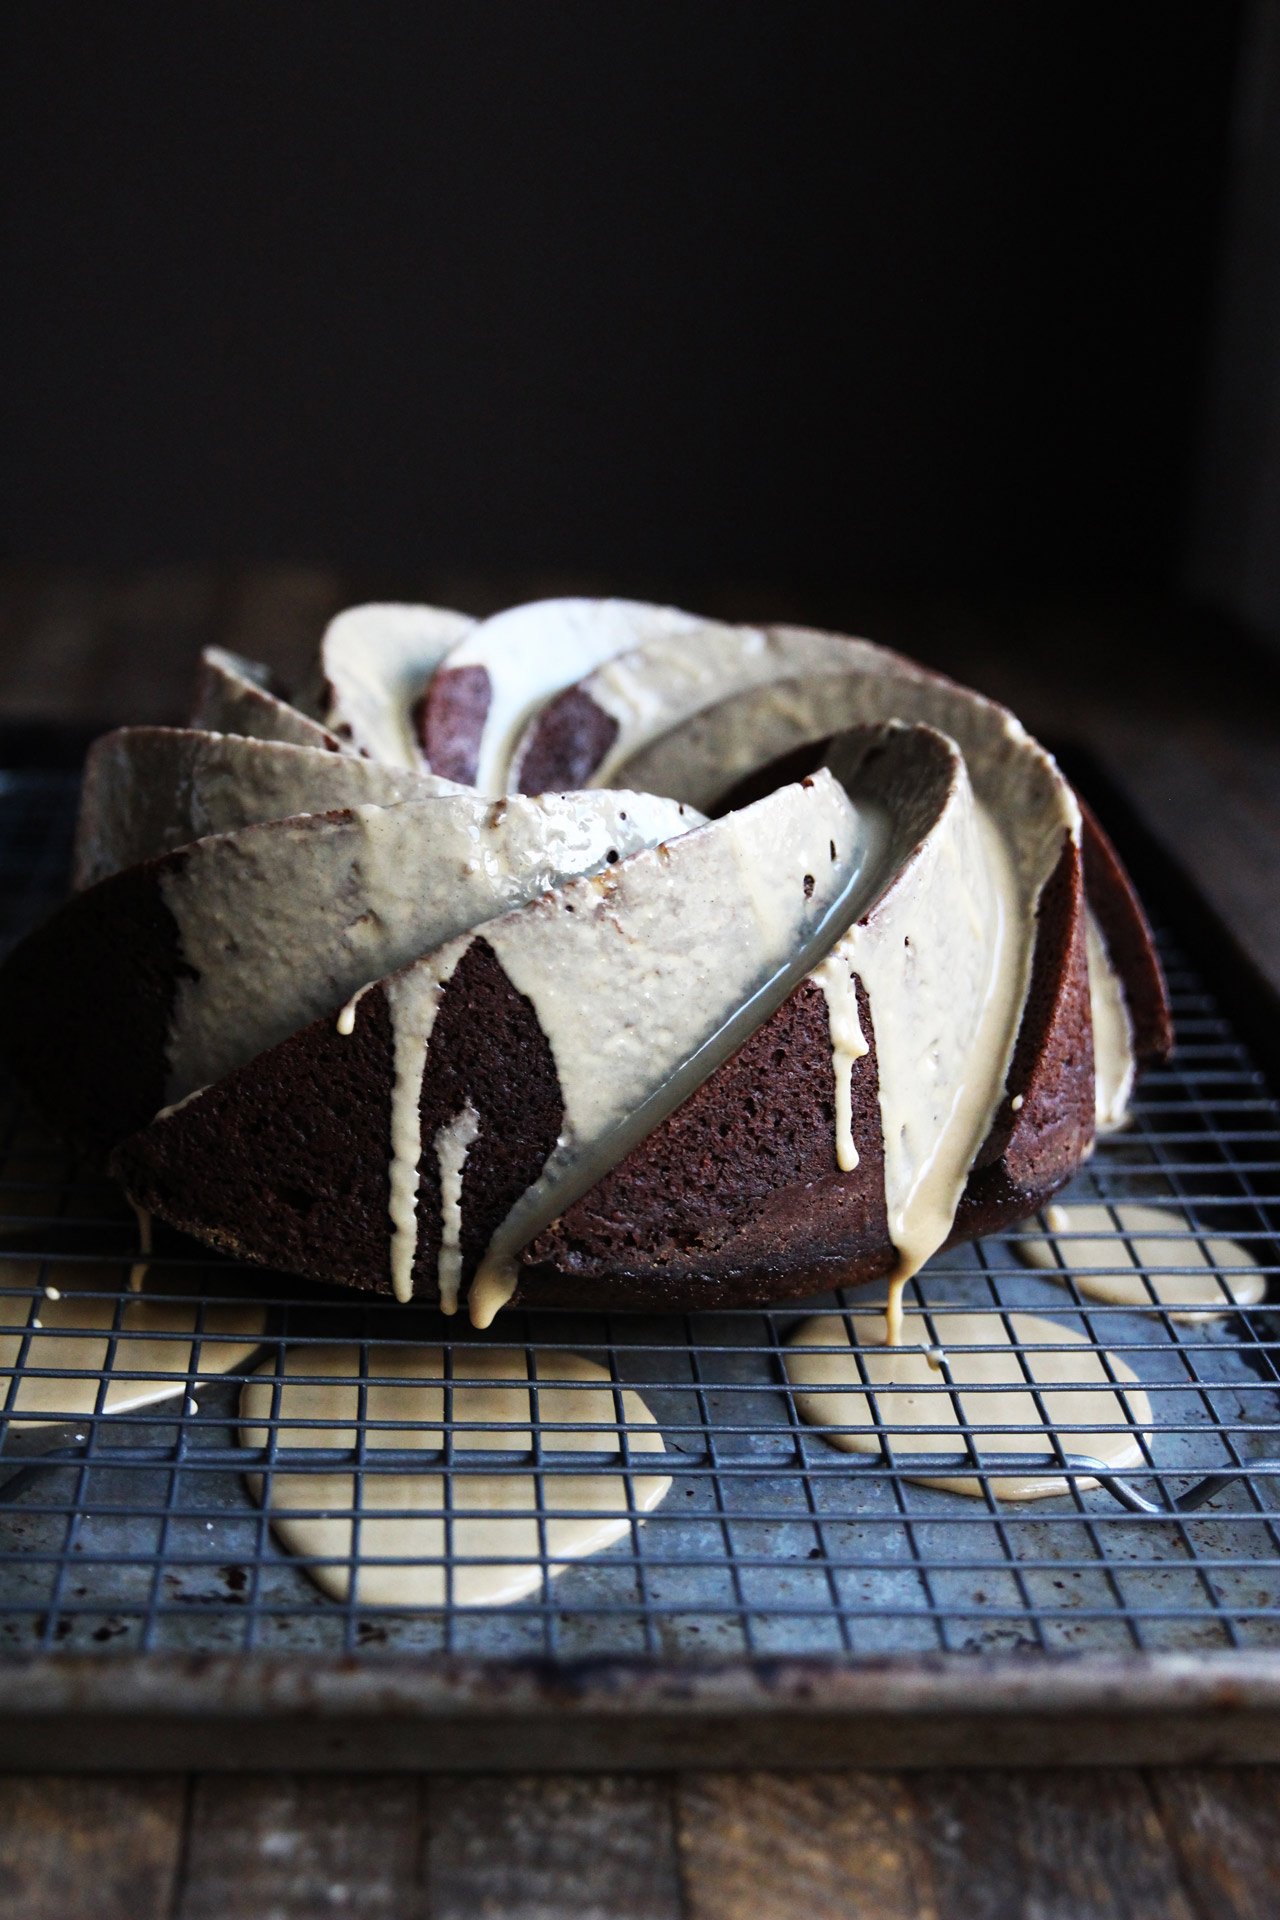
x=1114, y=1065
x=839, y=985
x=453, y=1142
x=414, y=1000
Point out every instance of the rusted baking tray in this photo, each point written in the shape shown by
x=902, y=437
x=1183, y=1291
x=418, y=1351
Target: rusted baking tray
x=787, y=1603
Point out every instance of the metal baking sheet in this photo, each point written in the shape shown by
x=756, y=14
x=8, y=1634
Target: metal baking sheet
x=134, y=1563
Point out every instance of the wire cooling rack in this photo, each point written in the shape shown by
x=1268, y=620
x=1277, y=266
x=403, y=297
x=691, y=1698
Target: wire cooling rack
x=139, y=1531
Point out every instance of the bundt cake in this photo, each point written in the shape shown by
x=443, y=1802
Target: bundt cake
x=591, y=954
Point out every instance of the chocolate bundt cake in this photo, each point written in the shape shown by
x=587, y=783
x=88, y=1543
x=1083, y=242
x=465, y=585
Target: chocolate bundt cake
x=591, y=954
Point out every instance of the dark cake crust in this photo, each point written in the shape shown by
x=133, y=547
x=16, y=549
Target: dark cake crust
x=486, y=1047
x=736, y=1198
x=279, y=1162
x=285, y=1161
x=570, y=739
x=1051, y=1073
x=738, y=1191
x=823, y=1231
x=86, y=1000
x=451, y=717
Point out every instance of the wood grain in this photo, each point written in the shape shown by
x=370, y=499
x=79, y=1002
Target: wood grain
x=1223, y=1829
x=525, y=1848
x=1072, y=1844
x=760, y=1846
x=981, y=1845
x=298, y=1846
x=1059, y=1845
x=104, y=1848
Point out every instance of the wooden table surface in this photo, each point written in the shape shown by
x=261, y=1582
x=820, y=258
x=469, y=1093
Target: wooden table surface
x=1186, y=724
x=1101, y=1845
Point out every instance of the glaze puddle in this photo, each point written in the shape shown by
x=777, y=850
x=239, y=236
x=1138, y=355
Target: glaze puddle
x=400, y=1556
x=150, y=1361
x=1195, y=1277
x=910, y=1391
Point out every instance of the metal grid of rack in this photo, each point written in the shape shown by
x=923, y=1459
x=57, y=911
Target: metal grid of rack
x=138, y=1530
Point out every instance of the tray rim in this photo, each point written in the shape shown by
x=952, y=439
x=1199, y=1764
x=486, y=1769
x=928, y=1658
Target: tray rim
x=223, y=1712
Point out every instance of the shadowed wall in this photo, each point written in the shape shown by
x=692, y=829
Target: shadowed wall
x=805, y=293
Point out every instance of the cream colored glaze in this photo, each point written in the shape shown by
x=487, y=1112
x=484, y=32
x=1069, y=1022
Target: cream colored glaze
x=849, y=1044
x=1188, y=1274
x=1114, y=1065
x=642, y=947
x=1075, y=1388
x=375, y=662
x=649, y=688
x=914, y=812
x=944, y=960
x=453, y=1142
x=282, y=921
x=531, y=653
x=148, y=790
x=639, y=945
x=815, y=684
x=311, y=1513
x=1012, y=777
x=73, y=1342
x=234, y=697
x=654, y=687
x=951, y=950
x=615, y=943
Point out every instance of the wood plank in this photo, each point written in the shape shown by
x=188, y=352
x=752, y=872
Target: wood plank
x=965, y=1832
x=1089, y=1846
x=96, y=1846
x=1063, y=1845
x=527, y=1848
x=1223, y=1826
x=828, y=1846
x=295, y=1846
x=1066, y=1845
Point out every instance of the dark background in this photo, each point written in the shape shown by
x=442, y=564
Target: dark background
x=911, y=293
